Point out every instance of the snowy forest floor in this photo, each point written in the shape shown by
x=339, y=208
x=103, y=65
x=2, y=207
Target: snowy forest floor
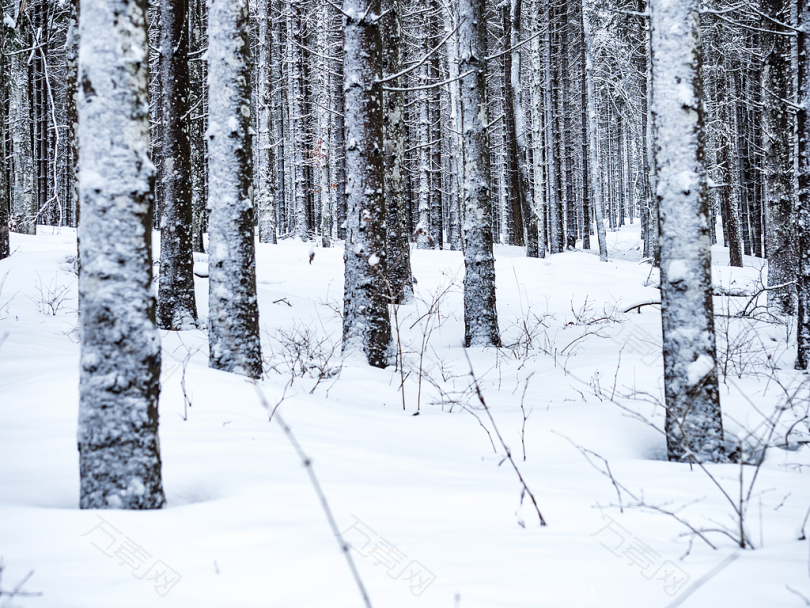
x=243, y=526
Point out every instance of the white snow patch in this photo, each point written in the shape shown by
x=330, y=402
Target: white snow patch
x=678, y=271
x=699, y=369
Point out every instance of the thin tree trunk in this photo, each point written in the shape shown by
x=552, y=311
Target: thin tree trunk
x=119, y=453
x=233, y=312
x=400, y=282
x=803, y=210
x=265, y=193
x=480, y=313
x=177, y=309
x=693, y=425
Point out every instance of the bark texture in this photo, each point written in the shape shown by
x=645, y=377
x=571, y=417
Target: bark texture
x=694, y=427
x=119, y=453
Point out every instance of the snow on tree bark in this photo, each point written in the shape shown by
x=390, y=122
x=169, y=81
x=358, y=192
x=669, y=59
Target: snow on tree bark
x=264, y=152
x=24, y=211
x=296, y=94
x=177, y=309
x=777, y=77
x=233, y=313
x=119, y=454
x=538, y=155
x=398, y=249
x=423, y=238
x=693, y=423
x=593, y=157
x=528, y=205
x=366, y=326
x=480, y=314
x=803, y=208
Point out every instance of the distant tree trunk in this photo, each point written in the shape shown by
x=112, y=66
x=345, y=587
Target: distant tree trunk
x=297, y=114
x=366, y=326
x=23, y=193
x=177, y=309
x=233, y=312
x=803, y=211
x=5, y=248
x=539, y=148
x=729, y=200
x=339, y=146
x=694, y=426
x=435, y=138
x=323, y=140
x=593, y=157
x=119, y=453
x=198, y=40
x=423, y=238
x=264, y=152
x=776, y=84
x=522, y=133
x=398, y=248
x=480, y=313
x=71, y=104
x=456, y=176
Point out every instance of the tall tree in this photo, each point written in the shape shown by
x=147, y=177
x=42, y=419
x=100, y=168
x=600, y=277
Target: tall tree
x=5, y=199
x=803, y=210
x=177, y=309
x=119, y=453
x=233, y=312
x=694, y=426
x=480, y=313
x=398, y=249
x=265, y=189
x=777, y=77
x=366, y=326
x=23, y=190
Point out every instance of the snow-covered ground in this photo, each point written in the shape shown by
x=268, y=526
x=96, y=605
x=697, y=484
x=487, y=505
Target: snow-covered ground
x=431, y=508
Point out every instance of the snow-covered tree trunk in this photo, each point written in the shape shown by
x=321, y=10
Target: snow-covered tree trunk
x=457, y=177
x=777, y=78
x=538, y=152
x=264, y=152
x=593, y=158
x=803, y=208
x=233, y=312
x=423, y=238
x=177, y=309
x=694, y=427
x=323, y=140
x=366, y=326
x=5, y=249
x=198, y=40
x=398, y=247
x=480, y=313
x=119, y=453
x=435, y=139
x=297, y=114
x=528, y=206
x=23, y=189
x=71, y=102
x=339, y=152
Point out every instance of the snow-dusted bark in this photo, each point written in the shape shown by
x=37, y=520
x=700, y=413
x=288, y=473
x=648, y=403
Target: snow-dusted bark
x=264, y=152
x=295, y=93
x=177, y=309
x=198, y=40
x=71, y=102
x=23, y=188
x=457, y=163
x=538, y=152
x=803, y=209
x=366, y=326
x=322, y=152
x=423, y=238
x=119, y=454
x=521, y=134
x=397, y=246
x=4, y=193
x=480, y=314
x=694, y=426
x=593, y=158
x=233, y=313
x=778, y=142
x=339, y=152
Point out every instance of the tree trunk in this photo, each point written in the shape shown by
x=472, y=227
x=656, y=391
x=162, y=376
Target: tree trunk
x=776, y=84
x=694, y=426
x=593, y=158
x=803, y=210
x=233, y=313
x=265, y=190
x=400, y=282
x=177, y=309
x=366, y=327
x=480, y=313
x=119, y=453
